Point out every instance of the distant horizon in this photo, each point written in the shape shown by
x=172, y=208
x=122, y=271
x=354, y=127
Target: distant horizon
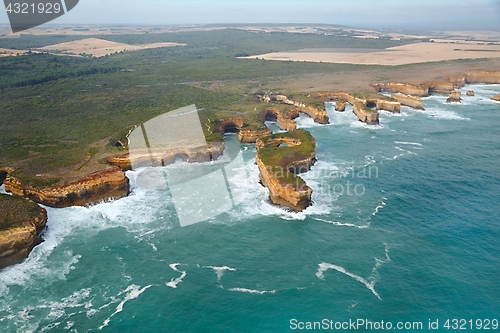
x=364, y=14
x=257, y=24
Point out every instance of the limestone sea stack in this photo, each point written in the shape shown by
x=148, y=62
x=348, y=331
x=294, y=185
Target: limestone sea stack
x=21, y=222
x=365, y=114
x=340, y=106
x=496, y=98
x=454, y=97
x=279, y=166
x=471, y=93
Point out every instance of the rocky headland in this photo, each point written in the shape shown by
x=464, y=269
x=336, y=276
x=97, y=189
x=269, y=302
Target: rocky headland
x=21, y=222
x=163, y=157
x=98, y=186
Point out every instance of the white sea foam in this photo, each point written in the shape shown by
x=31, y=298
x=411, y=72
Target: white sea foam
x=220, y=270
x=133, y=292
x=409, y=143
x=406, y=151
x=323, y=267
x=342, y=224
x=359, y=124
x=304, y=121
x=369, y=282
x=253, y=291
x=379, y=207
x=174, y=282
x=445, y=114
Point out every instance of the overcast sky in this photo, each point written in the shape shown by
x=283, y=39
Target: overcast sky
x=421, y=14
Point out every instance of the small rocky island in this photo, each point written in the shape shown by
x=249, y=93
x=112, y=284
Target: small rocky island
x=21, y=222
x=280, y=157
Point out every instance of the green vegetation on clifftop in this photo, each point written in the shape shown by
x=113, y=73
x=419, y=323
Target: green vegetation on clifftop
x=16, y=211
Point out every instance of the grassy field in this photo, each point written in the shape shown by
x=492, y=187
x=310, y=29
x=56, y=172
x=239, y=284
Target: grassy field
x=58, y=114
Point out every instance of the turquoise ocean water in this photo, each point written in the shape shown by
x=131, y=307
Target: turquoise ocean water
x=405, y=228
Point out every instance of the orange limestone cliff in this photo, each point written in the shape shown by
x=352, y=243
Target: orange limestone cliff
x=366, y=114
x=361, y=106
x=285, y=121
x=162, y=157
x=386, y=105
x=21, y=222
x=279, y=166
x=246, y=134
x=488, y=77
x=441, y=87
x=412, y=102
x=403, y=88
x=454, y=97
x=318, y=114
x=107, y=184
x=340, y=105
x=251, y=135
x=480, y=76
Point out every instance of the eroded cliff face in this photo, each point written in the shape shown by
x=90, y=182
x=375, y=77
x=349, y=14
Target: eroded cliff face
x=403, y=88
x=108, y=184
x=488, y=77
x=441, y=87
x=413, y=102
x=162, y=157
x=365, y=114
x=454, y=97
x=250, y=135
x=278, y=167
x=230, y=123
x=319, y=115
x=17, y=241
x=340, y=106
x=285, y=122
x=3, y=174
x=382, y=104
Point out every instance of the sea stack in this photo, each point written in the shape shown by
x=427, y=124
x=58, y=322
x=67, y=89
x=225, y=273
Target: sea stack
x=454, y=97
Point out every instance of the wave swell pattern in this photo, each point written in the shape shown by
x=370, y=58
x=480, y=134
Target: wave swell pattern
x=369, y=282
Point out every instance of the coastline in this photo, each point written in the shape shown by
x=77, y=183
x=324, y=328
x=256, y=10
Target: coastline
x=111, y=183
